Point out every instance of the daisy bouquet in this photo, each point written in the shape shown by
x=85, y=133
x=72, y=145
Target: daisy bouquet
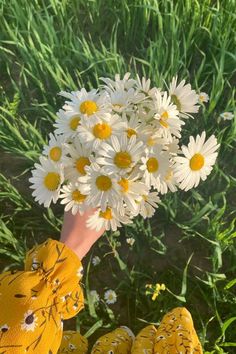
x=117, y=149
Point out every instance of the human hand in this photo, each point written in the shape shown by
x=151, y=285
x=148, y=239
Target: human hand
x=76, y=235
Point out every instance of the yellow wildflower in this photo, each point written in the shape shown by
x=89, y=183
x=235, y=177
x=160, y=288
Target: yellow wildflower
x=155, y=290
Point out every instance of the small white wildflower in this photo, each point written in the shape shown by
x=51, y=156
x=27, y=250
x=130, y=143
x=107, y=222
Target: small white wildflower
x=203, y=97
x=130, y=241
x=227, y=115
x=96, y=260
x=110, y=297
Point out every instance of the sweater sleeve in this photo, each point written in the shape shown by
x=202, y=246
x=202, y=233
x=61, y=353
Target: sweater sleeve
x=34, y=302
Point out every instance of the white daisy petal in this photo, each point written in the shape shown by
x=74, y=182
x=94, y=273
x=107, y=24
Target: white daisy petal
x=110, y=297
x=46, y=181
x=184, y=98
x=73, y=198
x=197, y=163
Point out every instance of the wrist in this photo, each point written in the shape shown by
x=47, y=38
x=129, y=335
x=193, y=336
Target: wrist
x=76, y=235
x=79, y=246
x=80, y=249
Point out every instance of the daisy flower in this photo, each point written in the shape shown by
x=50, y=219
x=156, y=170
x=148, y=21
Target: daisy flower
x=126, y=82
x=167, y=183
x=73, y=198
x=93, y=135
x=167, y=115
x=130, y=189
x=144, y=110
x=99, y=187
x=47, y=178
x=203, y=97
x=133, y=125
x=110, y=219
x=67, y=123
x=144, y=86
x=184, y=98
x=199, y=157
x=96, y=261
x=120, y=155
x=110, y=297
x=122, y=100
x=227, y=115
x=148, y=204
x=55, y=148
x=151, y=137
x=173, y=146
x=79, y=158
x=154, y=165
x=29, y=323
x=90, y=106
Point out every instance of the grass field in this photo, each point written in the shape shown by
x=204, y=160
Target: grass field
x=51, y=45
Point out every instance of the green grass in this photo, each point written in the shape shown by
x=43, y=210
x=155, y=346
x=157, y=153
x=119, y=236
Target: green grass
x=50, y=45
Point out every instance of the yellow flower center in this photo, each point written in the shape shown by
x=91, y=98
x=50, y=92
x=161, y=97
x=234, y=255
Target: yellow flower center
x=165, y=115
x=55, y=153
x=88, y=107
x=74, y=122
x=152, y=164
x=124, y=183
x=103, y=183
x=52, y=181
x=122, y=159
x=163, y=123
x=163, y=119
x=77, y=196
x=169, y=175
x=102, y=131
x=117, y=105
x=176, y=101
x=107, y=214
x=80, y=164
x=131, y=132
x=151, y=141
x=196, y=162
x=201, y=98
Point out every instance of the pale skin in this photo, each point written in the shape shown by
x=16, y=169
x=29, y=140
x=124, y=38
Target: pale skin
x=76, y=235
